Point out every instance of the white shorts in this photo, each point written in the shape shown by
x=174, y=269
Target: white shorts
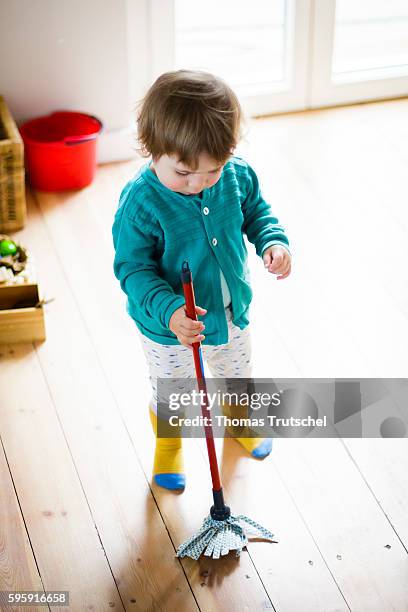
x=231, y=360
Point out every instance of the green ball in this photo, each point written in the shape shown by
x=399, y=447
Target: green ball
x=7, y=247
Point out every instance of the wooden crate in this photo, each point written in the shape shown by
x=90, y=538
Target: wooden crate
x=21, y=314
x=12, y=174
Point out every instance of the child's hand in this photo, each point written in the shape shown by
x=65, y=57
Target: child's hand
x=277, y=260
x=187, y=330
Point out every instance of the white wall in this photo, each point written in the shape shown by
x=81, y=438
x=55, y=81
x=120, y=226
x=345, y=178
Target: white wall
x=74, y=55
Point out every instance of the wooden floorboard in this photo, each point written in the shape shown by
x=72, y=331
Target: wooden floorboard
x=338, y=507
x=61, y=530
x=18, y=565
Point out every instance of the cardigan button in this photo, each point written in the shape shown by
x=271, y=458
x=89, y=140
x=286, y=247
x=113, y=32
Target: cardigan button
x=214, y=241
x=206, y=210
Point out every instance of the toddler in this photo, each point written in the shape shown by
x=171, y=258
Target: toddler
x=194, y=200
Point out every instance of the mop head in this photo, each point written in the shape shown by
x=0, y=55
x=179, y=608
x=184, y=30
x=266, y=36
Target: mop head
x=219, y=537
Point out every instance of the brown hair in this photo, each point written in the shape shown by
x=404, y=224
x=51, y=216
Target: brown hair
x=189, y=112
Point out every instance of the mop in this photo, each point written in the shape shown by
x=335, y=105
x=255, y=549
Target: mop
x=221, y=530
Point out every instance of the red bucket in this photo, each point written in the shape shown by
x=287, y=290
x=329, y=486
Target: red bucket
x=60, y=150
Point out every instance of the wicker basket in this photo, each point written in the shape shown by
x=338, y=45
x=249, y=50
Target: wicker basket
x=12, y=184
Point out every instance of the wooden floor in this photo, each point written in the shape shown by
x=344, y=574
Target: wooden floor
x=77, y=507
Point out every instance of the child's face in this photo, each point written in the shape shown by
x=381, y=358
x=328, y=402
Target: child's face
x=178, y=177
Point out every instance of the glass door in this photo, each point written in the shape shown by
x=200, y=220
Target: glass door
x=360, y=51
x=259, y=47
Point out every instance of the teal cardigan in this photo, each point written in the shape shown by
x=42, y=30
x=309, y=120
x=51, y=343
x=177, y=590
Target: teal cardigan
x=155, y=229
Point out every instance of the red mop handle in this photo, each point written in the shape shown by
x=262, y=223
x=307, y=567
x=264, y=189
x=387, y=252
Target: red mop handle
x=188, y=289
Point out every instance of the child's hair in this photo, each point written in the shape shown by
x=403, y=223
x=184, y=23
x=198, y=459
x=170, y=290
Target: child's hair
x=186, y=113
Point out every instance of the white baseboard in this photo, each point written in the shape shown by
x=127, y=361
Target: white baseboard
x=117, y=145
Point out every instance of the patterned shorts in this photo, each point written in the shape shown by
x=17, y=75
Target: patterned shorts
x=231, y=360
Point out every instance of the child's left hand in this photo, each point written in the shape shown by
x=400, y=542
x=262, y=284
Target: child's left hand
x=277, y=260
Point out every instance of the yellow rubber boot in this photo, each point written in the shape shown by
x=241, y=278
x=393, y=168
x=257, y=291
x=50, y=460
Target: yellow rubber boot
x=258, y=447
x=168, y=469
